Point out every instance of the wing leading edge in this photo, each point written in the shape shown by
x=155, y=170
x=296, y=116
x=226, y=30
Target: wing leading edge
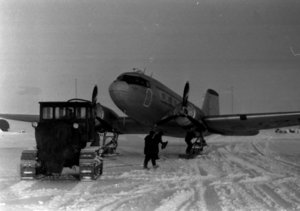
x=250, y=124
x=21, y=117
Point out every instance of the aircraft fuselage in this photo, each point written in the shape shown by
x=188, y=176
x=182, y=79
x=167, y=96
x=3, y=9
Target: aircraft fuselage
x=147, y=100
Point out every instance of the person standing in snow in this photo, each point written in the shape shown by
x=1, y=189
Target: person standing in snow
x=158, y=140
x=149, y=150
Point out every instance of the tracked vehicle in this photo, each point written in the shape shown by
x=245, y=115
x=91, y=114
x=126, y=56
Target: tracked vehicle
x=66, y=137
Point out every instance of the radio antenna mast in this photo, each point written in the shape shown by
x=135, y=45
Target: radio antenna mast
x=232, y=99
x=293, y=52
x=75, y=87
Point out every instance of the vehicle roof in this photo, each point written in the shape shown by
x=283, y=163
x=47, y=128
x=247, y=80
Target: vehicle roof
x=64, y=103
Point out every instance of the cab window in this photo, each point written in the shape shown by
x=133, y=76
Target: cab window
x=47, y=112
x=60, y=112
x=80, y=112
x=70, y=112
x=64, y=112
x=89, y=113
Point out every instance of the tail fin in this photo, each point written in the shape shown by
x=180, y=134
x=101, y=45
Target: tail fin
x=211, y=103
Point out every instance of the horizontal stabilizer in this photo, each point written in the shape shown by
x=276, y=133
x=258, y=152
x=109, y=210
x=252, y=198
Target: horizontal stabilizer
x=250, y=124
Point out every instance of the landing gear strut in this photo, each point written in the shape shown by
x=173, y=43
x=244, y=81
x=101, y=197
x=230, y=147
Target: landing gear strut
x=196, y=147
x=109, y=143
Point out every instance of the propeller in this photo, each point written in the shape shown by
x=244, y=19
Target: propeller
x=185, y=95
x=104, y=125
x=94, y=95
x=183, y=112
x=166, y=119
x=197, y=123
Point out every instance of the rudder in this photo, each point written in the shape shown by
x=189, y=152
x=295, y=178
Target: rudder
x=211, y=103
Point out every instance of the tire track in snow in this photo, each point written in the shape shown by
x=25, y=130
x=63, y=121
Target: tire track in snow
x=70, y=196
x=16, y=191
x=276, y=189
x=238, y=175
x=254, y=175
x=278, y=200
x=176, y=201
x=125, y=199
x=211, y=198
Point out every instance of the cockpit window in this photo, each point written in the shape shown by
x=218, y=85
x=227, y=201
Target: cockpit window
x=134, y=80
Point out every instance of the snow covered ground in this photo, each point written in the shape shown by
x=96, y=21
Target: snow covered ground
x=238, y=173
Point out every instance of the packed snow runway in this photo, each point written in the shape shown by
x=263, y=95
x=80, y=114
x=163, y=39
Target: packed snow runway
x=239, y=173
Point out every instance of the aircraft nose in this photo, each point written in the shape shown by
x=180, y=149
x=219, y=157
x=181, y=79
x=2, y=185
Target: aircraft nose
x=118, y=91
x=118, y=86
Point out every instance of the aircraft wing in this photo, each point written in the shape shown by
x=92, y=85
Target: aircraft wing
x=127, y=125
x=250, y=124
x=21, y=117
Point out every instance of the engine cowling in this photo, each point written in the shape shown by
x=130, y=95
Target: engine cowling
x=190, y=110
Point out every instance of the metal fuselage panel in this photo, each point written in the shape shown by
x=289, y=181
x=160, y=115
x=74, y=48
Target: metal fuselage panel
x=146, y=101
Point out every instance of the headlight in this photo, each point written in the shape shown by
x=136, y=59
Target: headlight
x=35, y=124
x=75, y=125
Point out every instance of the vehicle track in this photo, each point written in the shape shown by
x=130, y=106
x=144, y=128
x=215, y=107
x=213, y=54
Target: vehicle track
x=235, y=175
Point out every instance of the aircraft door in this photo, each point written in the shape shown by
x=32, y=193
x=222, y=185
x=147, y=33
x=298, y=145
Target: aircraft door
x=148, y=98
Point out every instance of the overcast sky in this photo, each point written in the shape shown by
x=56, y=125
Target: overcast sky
x=238, y=45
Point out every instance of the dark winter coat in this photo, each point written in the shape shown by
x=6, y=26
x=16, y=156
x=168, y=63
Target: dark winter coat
x=148, y=149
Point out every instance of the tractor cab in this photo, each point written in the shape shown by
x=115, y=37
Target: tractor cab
x=61, y=137
x=78, y=113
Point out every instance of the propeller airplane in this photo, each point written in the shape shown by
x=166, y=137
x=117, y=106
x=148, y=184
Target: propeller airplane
x=150, y=105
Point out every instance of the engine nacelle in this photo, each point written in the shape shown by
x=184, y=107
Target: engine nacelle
x=190, y=110
x=105, y=114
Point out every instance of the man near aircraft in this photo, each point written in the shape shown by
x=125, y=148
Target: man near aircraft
x=150, y=150
x=158, y=140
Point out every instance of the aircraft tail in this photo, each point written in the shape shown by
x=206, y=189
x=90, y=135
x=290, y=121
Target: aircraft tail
x=211, y=103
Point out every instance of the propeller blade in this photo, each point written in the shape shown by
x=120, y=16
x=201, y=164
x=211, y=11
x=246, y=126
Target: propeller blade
x=94, y=95
x=166, y=119
x=197, y=123
x=185, y=94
